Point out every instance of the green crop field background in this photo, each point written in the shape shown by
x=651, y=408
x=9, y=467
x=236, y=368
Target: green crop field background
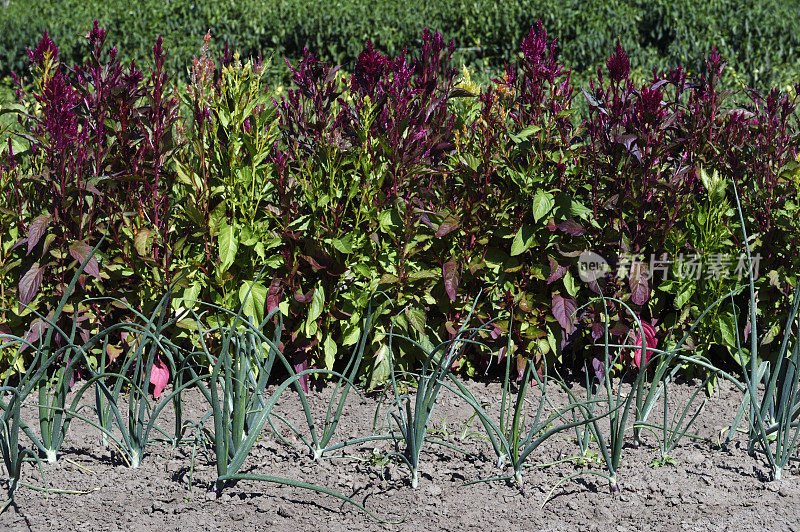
x=760, y=39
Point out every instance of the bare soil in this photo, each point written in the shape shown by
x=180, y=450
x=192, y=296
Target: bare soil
x=707, y=489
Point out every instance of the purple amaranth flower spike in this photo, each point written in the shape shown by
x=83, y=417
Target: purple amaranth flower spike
x=370, y=67
x=535, y=44
x=619, y=66
x=649, y=101
x=97, y=36
x=45, y=49
x=715, y=63
x=227, y=55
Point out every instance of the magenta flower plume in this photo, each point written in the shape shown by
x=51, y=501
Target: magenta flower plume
x=619, y=66
x=534, y=45
x=370, y=66
x=46, y=48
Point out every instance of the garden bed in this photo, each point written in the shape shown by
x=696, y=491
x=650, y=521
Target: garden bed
x=707, y=489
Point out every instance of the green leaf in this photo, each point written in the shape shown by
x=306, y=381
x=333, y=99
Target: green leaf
x=343, y=245
x=260, y=251
x=143, y=242
x=523, y=240
x=551, y=340
x=301, y=223
x=189, y=297
x=217, y=218
x=228, y=245
x=330, y=349
x=351, y=334
x=525, y=133
x=569, y=284
x=274, y=262
x=685, y=294
x=183, y=177
x=578, y=209
x=247, y=238
x=389, y=220
x=381, y=369
x=364, y=271
x=315, y=309
x=727, y=329
x=194, y=214
x=771, y=334
x=423, y=274
x=417, y=319
x=253, y=305
x=543, y=203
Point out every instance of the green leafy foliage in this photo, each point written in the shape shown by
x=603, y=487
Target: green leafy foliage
x=402, y=176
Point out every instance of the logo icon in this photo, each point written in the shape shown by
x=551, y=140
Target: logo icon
x=592, y=266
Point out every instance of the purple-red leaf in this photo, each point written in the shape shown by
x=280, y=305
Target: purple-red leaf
x=79, y=252
x=449, y=225
x=649, y=341
x=300, y=297
x=599, y=369
x=564, y=310
x=274, y=295
x=557, y=271
x=571, y=227
x=37, y=230
x=598, y=329
x=36, y=330
x=640, y=289
x=301, y=362
x=450, y=276
x=427, y=221
x=29, y=284
x=159, y=376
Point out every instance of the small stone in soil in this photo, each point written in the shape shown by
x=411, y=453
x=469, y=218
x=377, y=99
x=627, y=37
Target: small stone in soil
x=572, y=505
x=433, y=490
x=264, y=505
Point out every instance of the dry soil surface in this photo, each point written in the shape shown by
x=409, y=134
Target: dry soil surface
x=707, y=488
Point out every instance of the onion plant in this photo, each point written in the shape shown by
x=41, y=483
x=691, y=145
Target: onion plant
x=643, y=395
x=511, y=440
x=617, y=407
x=665, y=365
x=13, y=456
x=320, y=442
x=53, y=382
x=50, y=379
x=672, y=429
x=50, y=372
x=773, y=413
x=236, y=389
x=657, y=370
x=413, y=423
x=134, y=375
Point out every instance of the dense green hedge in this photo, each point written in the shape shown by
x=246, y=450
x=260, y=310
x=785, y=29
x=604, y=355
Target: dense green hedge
x=760, y=38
